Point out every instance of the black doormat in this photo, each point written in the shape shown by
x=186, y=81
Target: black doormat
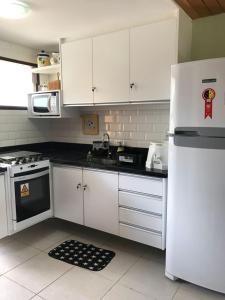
x=82, y=255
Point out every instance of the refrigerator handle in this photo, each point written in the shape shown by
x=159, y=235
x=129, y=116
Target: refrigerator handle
x=188, y=133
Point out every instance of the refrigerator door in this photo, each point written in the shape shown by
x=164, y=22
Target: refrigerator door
x=198, y=94
x=196, y=212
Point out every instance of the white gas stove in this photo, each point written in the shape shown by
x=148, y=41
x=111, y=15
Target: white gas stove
x=28, y=181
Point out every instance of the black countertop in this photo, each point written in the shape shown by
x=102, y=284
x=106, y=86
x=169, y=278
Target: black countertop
x=75, y=155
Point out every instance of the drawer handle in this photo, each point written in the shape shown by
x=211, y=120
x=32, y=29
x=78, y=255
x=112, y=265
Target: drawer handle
x=141, y=228
x=133, y=209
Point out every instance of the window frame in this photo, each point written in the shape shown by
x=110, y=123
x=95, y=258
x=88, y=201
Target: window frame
x=4, y=107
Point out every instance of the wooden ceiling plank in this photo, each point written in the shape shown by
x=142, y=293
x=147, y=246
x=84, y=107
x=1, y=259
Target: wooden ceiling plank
x=222, y=4
x=200, y=7
x=213, y=6
x=185, y=5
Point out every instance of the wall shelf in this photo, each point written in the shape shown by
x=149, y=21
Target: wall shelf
x=52, y=69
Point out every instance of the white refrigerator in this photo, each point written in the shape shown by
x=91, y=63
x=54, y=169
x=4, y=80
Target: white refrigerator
x=196, y=181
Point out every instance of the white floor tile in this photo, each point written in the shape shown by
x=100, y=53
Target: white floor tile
x=121, y=262
x=37, y=298
x=13, y=254
x=192, y=292
x=147, y=277
x=43, y=235
x=77, y=284
x=38, y=272
x=10, y=290
x=119, y=292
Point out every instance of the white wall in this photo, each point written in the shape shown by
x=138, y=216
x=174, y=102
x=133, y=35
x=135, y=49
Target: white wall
x=133, y=125
x=15, y=127
x=18, y=52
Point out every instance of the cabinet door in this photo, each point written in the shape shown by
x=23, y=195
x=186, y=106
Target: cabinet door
x=153, y=49
x=111, y=67
x=101, y=201
x=77, y=72
x=68, y=194
x=3, y=210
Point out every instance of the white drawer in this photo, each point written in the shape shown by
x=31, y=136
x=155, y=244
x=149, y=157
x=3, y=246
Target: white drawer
x=141, y=236
x=140, y=219
x=142, y=202
x=153, y=186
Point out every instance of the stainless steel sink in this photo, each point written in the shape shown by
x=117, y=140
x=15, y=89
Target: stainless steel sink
x=103, y=161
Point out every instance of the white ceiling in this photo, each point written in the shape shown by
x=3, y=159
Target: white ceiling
x=50, y=20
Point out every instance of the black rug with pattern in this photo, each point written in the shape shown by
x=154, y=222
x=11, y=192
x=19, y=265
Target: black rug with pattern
x=82, y=255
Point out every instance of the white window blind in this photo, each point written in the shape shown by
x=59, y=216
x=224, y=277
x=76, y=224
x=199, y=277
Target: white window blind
x=15, y=83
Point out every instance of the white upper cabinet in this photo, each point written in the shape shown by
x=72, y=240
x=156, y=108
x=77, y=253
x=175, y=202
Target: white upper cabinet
x=111, y=67
x=77, y=72
x=126, y=66
x=153, y=49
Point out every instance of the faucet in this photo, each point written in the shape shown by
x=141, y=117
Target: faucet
x=106, y=142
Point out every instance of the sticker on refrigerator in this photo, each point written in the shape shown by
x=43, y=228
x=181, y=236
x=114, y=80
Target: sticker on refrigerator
x=24, y=190
x=208, y=96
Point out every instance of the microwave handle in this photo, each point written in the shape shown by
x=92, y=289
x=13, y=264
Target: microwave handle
x=49, y=102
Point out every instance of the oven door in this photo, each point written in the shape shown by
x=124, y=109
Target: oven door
x=30, y=195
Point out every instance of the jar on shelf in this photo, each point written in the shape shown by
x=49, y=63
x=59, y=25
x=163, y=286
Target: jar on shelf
x=43, y=59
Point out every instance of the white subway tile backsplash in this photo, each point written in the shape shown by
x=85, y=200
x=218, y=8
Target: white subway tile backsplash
x=17, y=129
x=132, y=125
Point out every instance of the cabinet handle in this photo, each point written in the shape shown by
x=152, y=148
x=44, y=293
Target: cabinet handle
x=93, y=88
x=78, y=186
x=84, y=187
x=132, y=85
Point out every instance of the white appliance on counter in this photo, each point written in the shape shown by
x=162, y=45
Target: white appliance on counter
x=47, y=105
x=196, y=183
x=157, y=156
x=29, y=197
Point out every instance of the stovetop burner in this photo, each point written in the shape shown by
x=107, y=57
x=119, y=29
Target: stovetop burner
x=20, y=157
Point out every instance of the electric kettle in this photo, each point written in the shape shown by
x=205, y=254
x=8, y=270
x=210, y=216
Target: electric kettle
x=157, y=156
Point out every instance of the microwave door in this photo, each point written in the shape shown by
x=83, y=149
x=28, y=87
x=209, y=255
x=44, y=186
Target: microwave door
x=42, y=104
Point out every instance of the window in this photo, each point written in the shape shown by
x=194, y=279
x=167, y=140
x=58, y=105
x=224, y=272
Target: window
x=15, y=83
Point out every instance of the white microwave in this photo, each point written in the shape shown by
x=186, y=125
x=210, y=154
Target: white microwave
x=44, y=104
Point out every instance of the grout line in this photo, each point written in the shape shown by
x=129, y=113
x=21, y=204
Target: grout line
x=12, y=280
x=20, y=263
x=138, y=258
x=38, y=294
x=173, y=297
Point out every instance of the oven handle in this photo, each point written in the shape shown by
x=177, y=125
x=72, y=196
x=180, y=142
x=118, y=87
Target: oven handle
x=32, y=176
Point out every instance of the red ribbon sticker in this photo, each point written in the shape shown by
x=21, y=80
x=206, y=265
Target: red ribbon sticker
x=208, y=95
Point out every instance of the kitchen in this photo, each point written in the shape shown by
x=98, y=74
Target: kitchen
x=129, y=219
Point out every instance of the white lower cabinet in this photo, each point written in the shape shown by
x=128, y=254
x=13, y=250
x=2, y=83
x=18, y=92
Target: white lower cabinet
x=86, y=197
x=101, y=200
x=131, y=206
x=68, y=195
x=142, y=209
x=3, y=208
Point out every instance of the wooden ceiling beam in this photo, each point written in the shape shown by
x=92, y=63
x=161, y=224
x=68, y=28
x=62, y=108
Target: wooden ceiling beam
x=213, y=6
x=222, y=4
x=200, y=7
x=188, y=8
